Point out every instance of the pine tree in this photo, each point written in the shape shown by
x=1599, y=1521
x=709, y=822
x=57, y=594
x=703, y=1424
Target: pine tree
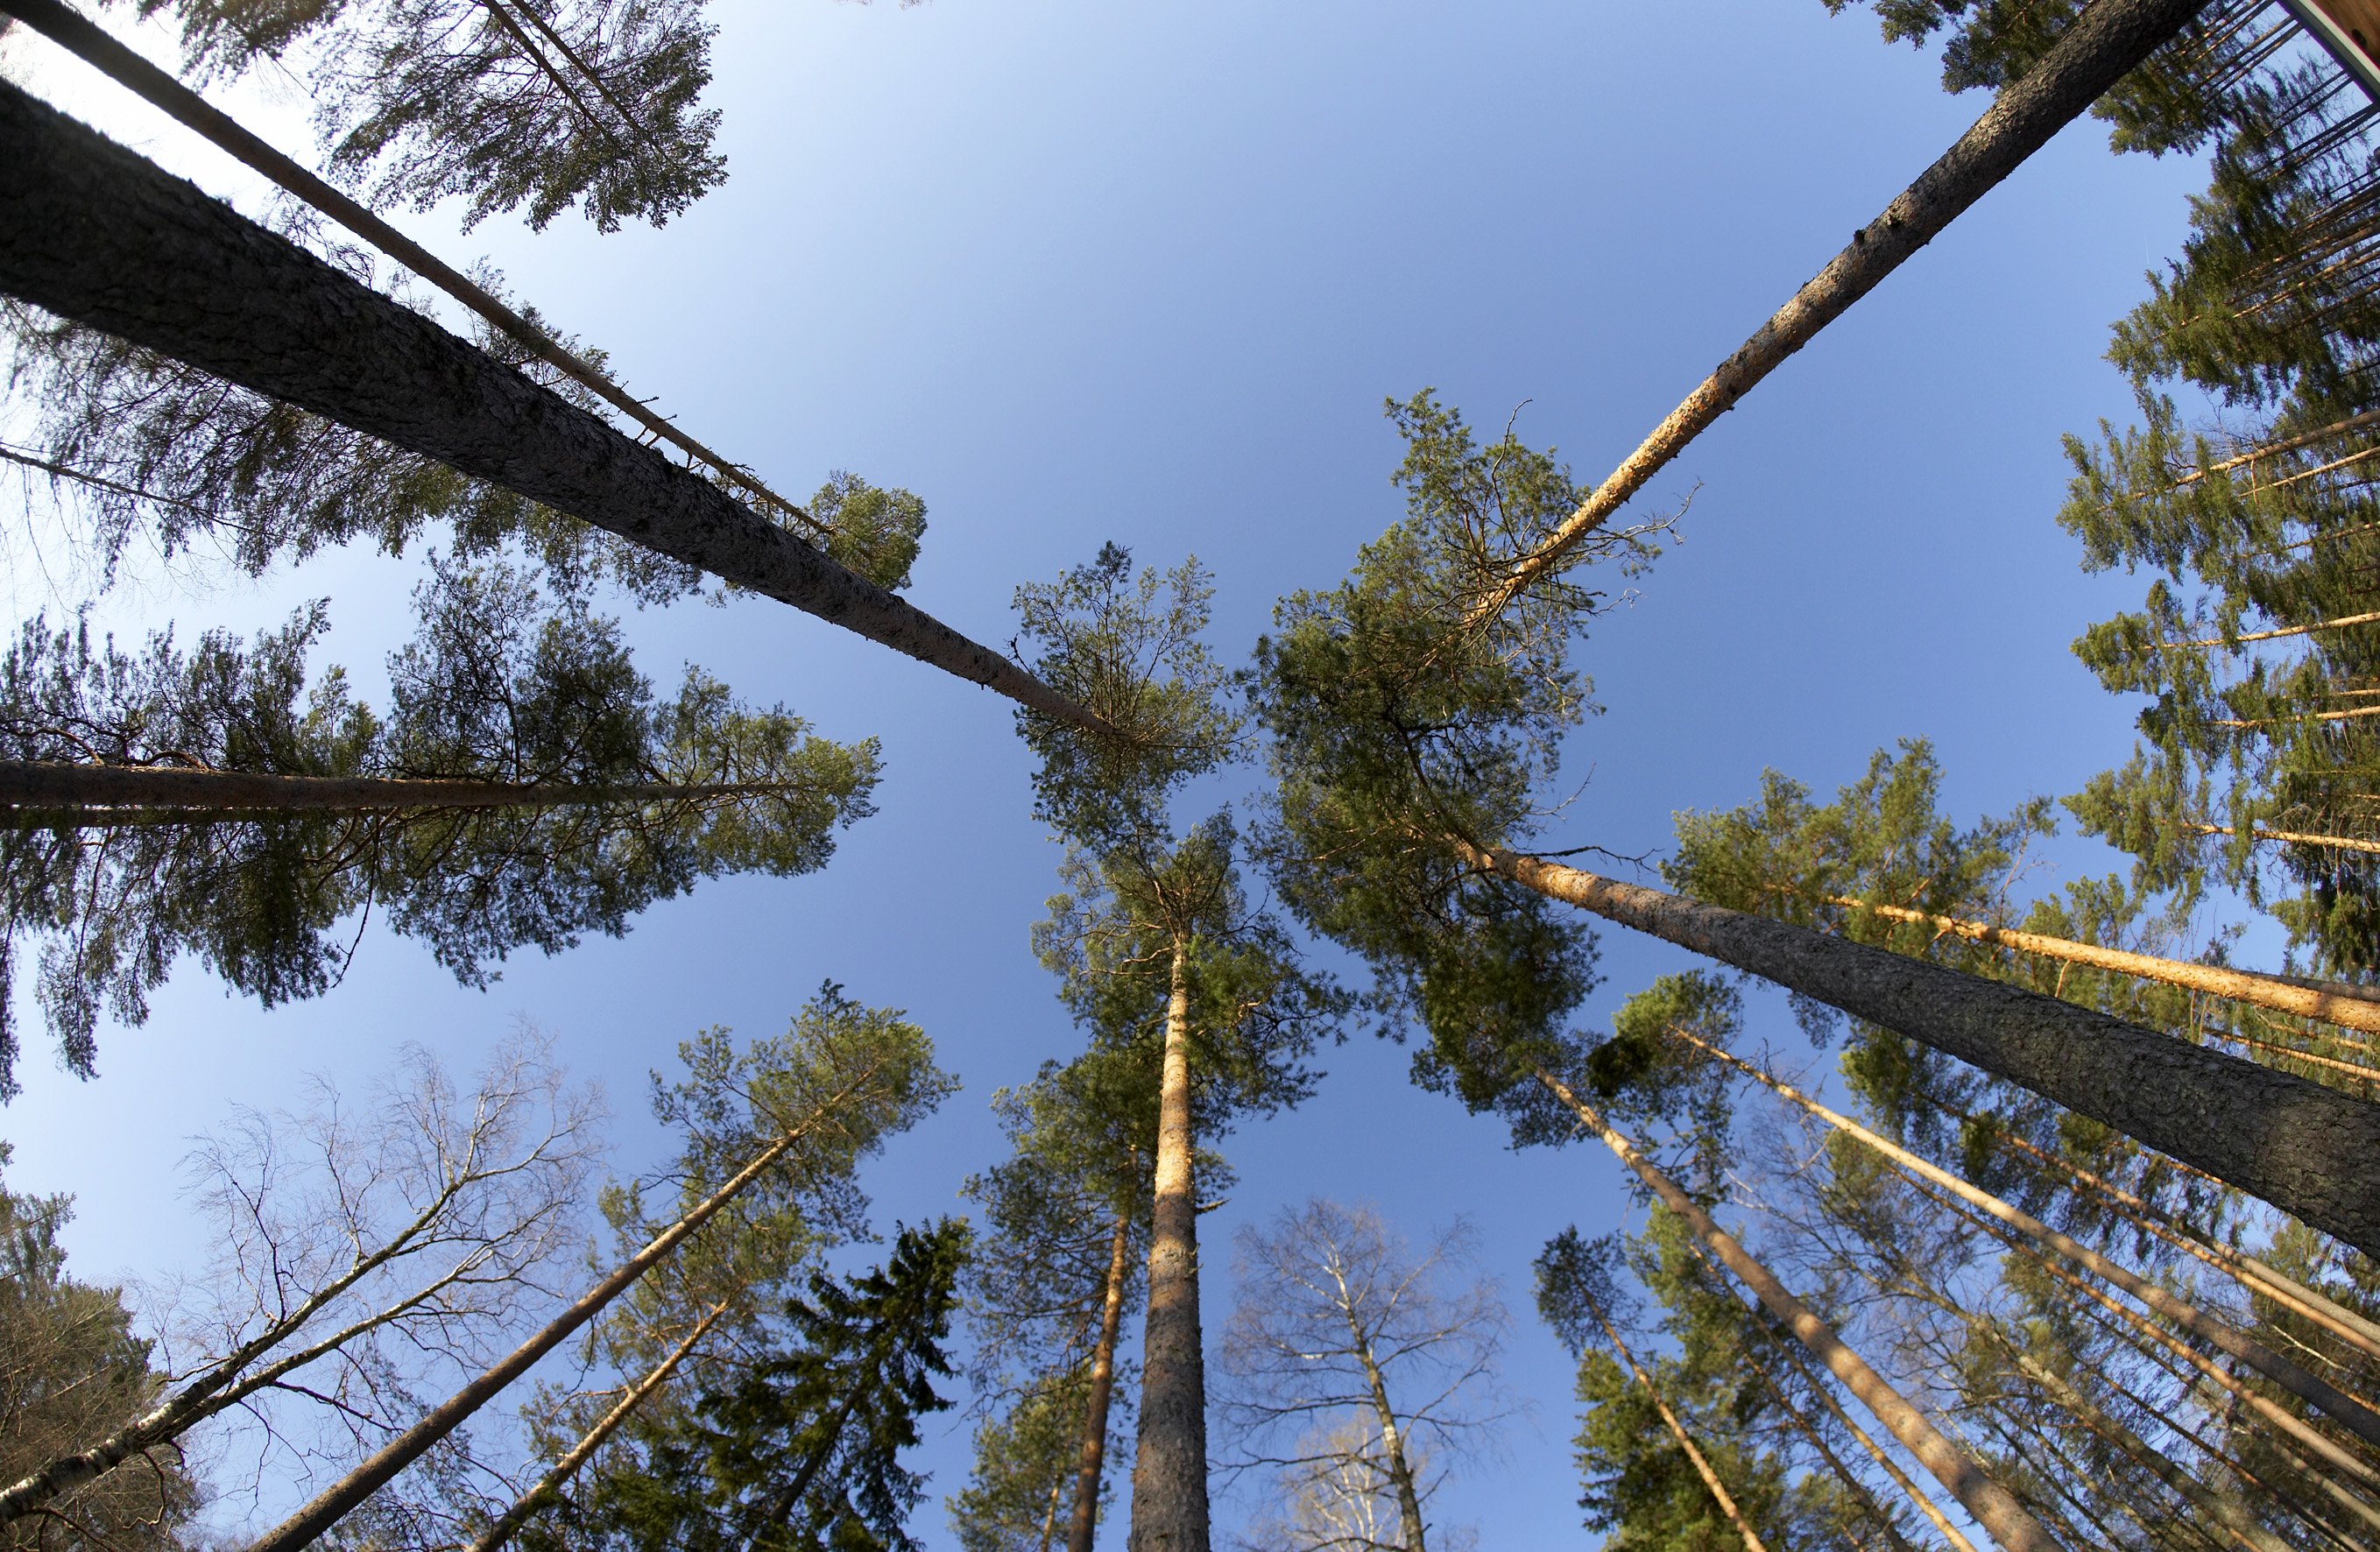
x=593, y=798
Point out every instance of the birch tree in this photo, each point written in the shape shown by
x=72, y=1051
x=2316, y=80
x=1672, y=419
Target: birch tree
x=1355, y=1360
x=525, y=786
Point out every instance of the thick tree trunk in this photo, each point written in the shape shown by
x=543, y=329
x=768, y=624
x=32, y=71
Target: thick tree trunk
x=93, y=795
x=1168, y=1478
x=1085, y=1525
x=2347, y=1010
x=2309, y=1150
x=2350, y=1411
x=76, y=34
x=548, y=1490
x=334, y=1502
x=2099, y=49
x=1701, y=1466
x=1992, y=1505
x=95, y=234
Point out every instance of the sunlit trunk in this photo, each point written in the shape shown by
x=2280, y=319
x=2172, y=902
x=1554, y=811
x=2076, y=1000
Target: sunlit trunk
x=1168, y=1478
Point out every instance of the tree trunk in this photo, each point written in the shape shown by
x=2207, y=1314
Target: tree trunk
x=96, y=233
x=2350, y=1411
x=1852, y=1481
x=2285, y=630
x=1678, y=1431
x=1085, y=1525
x=2347, y=1010
x=2099, y=49
x=2258, y=1278
x=1400, y=1474
x=55, y=788
x=79, y=37
x=549, y=1486
x=334, y=1502
x=1992, y=1505
x=2291, y=837
x=1169, y=1479
x=2306, y=1149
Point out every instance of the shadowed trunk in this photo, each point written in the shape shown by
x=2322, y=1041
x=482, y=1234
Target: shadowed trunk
x=1085, y=1525
x=35, y=793
x=95, y=234
x=1993, y=1506
x=2306, y=1149
x=2098, y=50
x=1168, y=1478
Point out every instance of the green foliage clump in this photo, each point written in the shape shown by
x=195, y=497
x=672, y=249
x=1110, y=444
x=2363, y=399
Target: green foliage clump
x=497, y=686
x=874, y=532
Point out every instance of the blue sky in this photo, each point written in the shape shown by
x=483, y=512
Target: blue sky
x=1075, y=273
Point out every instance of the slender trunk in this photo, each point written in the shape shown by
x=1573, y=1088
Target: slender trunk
x=2343, y=621
x=2267, y=450
x=2290, y=837
x=2099, y=49
x=2350, y=1411
x=1852, y=1481
x=2305, y=1148
x=79, y=37
x=2251, y=1273
x=96, y=233
x=334, y=1502
x=549, y=1486
x=90, y=795
x=1993, y=1506
x=2238, y=986
x=1400, y=1474
x=1678, y=1431
x=2338, y=1457
x=1085, y=1525
x=1169, y=1479
x=2221, y=1507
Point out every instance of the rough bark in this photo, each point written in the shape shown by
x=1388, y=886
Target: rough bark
x=2309, y=1150
x=88, y=42
x=1678, y=1431
x=2347, y=1010
x=91, y=792
x=1169, y=1478
x=334, y=1502
x=1085, y=1525
x=548, y=1490
x=2103, y=45
x=2348, y=1411
x=96, y=233
x=1992, y=1505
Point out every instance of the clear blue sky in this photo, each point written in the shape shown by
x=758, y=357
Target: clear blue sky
x=1077, y=272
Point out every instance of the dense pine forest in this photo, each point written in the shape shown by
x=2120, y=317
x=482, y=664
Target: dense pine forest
x=999, y=846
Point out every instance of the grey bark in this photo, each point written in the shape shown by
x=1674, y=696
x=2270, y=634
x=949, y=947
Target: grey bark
x=1093, y=1459
x=96, y=233
x=1169, y=1475
x=2311, y=1151
x=2104, y=44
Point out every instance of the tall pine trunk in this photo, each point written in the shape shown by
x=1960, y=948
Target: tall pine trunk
x=97, y=234
x=1695, y=1456
x=1085, y=1525
x=2343, y=1007
x=2306, y=1149
x=2097, y=51
x=1168, y=1478
x=46, y=792
x=1994, y=1507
